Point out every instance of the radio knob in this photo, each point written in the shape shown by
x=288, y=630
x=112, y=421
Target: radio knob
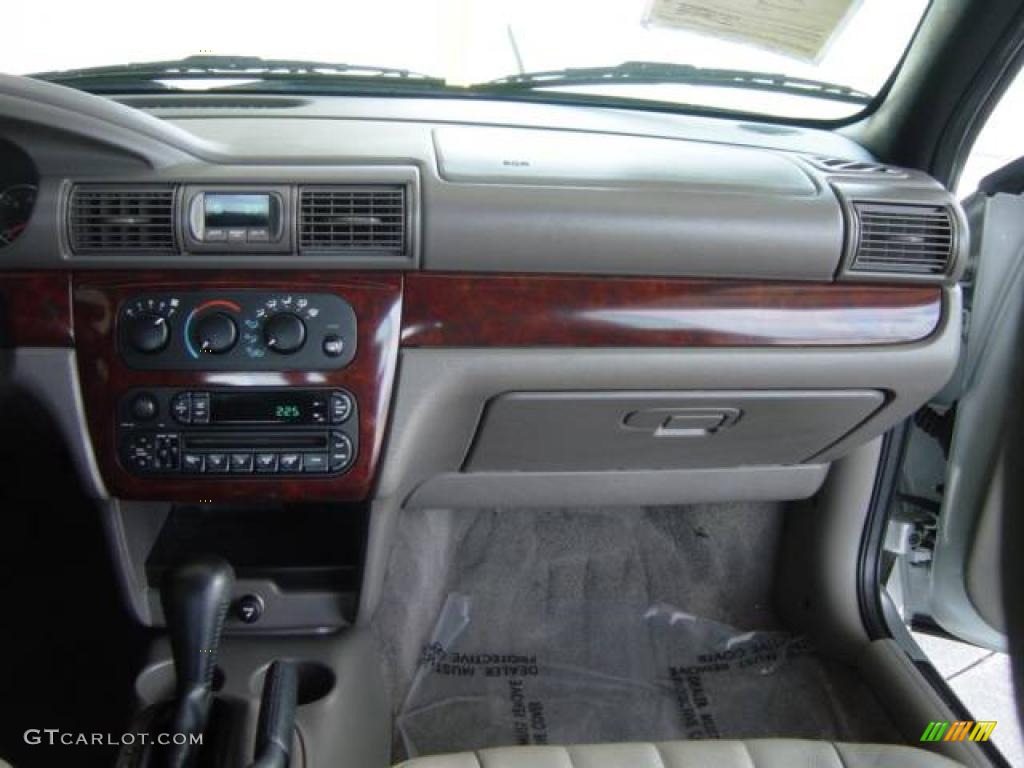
x=148, y=333
x=215, y=333
x=284, y=333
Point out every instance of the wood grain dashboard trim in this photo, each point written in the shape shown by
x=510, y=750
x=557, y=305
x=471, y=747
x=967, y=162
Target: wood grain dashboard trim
x=376, y=299
x=452, y=310
x=35, y=309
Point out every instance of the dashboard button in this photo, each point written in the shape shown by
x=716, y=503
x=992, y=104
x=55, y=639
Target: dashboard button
x=216, y=235
x=259, y=236
x=236, y=236
x=193, y=462
x=341, y=451
x=144, y=406
x=200, y=412
x=290, y=462
x=314, y=462
x=216, y=462
x=266, y=462
x=341, y=407
x=241, y=462
x=181, y=407
x=333, y=346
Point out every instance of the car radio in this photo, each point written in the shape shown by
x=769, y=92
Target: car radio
x=250, y=431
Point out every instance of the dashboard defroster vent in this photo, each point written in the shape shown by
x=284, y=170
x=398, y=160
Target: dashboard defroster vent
x=110, y=218
x=365, y=218
x=902, y=239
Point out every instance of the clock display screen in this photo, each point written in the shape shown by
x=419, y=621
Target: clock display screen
x=249, y=211
x=266, y=408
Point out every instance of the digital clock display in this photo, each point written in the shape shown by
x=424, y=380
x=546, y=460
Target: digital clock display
x=267, y=408
x=248, y=211
x=288, y=412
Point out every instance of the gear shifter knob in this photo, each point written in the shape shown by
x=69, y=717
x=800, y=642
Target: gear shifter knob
x=195, y=599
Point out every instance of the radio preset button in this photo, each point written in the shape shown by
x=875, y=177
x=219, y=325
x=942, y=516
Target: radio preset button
x=215, y=235
x=314, y=462
x=216, y=462
x=259, y=236
x=236, y=236
x=290, y=462
x=241, y=462
x=266, y=462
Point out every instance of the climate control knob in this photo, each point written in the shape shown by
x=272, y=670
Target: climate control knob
x=284, y=333
x=148, y=332
x=215, y=333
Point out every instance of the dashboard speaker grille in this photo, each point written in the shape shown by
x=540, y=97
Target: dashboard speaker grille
x=107, y=218
x=370, y=218
x=904, y=239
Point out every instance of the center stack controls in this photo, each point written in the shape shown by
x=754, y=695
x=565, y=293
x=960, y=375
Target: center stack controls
x=237, y=430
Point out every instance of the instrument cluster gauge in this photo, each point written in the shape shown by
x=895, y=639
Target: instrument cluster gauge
x=16, y=204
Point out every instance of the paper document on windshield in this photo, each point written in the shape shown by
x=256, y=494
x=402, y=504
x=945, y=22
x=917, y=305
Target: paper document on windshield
x=802, y=29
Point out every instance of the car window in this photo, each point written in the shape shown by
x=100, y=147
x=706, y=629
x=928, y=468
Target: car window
x=999, y=142
x=825, y=60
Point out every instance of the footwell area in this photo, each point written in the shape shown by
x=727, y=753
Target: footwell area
x=554, y=626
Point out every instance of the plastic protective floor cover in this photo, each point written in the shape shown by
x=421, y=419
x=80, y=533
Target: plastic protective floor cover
x=556, y=627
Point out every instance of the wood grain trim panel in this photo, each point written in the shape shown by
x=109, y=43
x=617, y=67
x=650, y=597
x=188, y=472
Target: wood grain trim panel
x=376, y=299
x=450, y=310
x=35, y=309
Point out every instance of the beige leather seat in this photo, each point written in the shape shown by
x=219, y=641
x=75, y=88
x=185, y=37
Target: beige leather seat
x=756, y=753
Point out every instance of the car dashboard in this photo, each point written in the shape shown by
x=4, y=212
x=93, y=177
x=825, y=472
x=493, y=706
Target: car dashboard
x=396, y=303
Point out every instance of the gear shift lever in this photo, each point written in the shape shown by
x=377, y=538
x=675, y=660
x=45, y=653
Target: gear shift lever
x=195, y=600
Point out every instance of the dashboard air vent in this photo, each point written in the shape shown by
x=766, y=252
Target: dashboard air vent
x=370, y=218
x=110, y=218
x=904, y=239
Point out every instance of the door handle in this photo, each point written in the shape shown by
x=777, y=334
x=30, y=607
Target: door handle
x=681, y=422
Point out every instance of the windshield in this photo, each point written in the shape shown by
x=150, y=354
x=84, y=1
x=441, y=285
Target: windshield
x=829, y=58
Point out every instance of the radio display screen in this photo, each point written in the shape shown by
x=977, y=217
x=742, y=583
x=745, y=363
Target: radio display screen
x=224, y=210
x=267, y=408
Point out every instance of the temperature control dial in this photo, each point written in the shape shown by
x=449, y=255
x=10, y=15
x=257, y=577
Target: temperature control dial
x=215, y=333
x=284, y=333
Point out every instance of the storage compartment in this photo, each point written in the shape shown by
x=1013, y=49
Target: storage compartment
x=607, y=431
x=302, y=563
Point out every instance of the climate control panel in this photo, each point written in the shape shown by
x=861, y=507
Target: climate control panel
x=237, y=330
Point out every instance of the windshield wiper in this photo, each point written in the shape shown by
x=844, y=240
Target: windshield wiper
x=228, y=68
x=652, y=72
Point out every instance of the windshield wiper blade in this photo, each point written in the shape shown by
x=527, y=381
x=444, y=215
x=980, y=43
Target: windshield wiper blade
x=652, y=73
x=232, y=68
